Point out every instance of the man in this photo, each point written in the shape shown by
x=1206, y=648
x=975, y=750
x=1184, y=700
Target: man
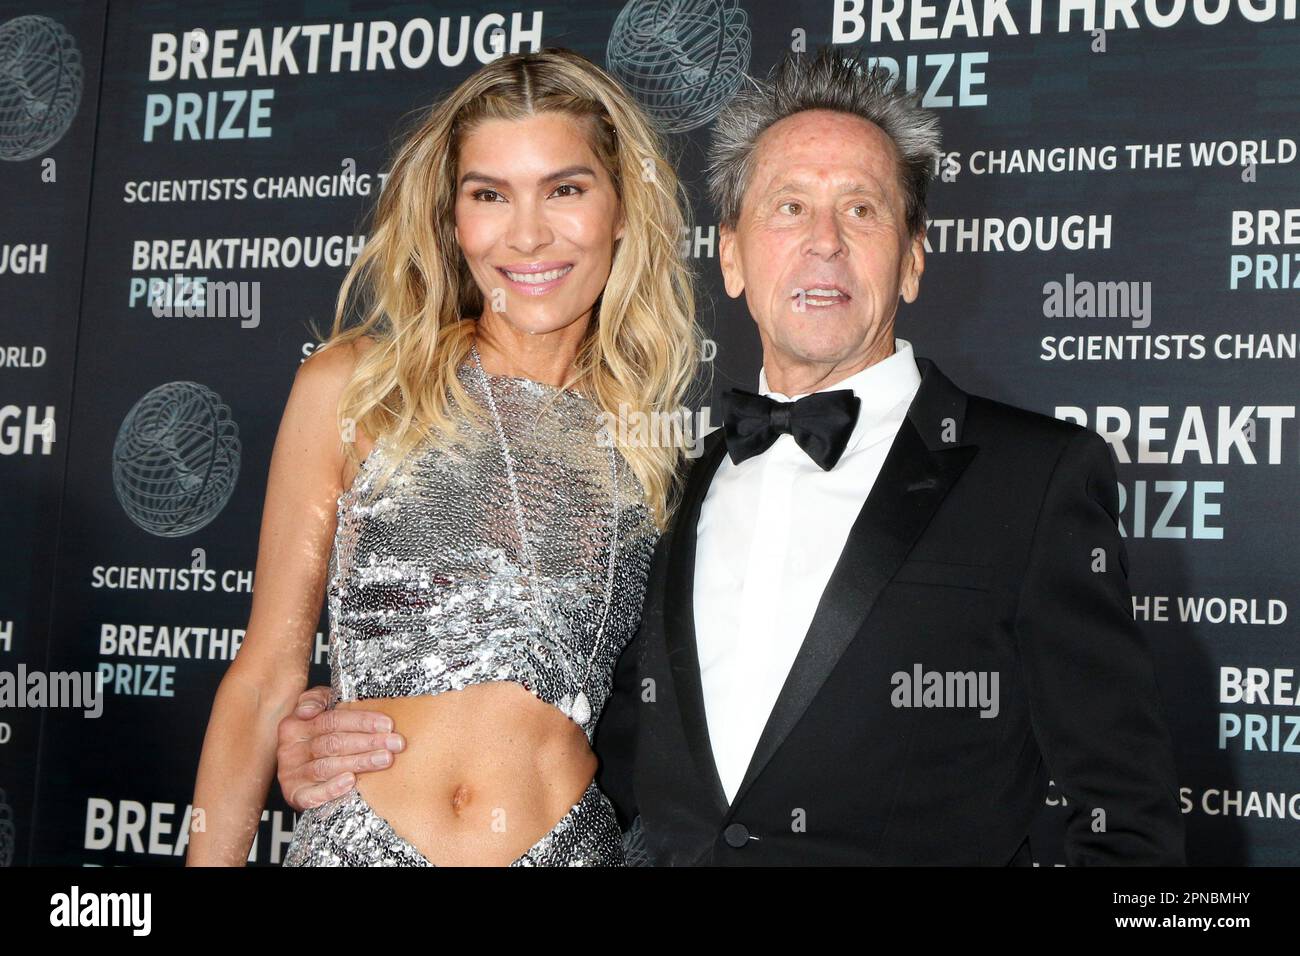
x=886, y=610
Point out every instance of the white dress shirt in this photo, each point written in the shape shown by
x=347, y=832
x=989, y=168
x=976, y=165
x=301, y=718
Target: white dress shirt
x=771, y=530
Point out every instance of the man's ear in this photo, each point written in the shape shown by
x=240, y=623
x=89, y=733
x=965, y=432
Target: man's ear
x=913, y=266
x=732, y=278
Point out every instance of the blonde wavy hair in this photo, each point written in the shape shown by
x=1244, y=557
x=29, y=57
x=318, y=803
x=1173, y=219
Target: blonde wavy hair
x=643, y=346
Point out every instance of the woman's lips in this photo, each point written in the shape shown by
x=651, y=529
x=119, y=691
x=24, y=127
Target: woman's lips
x=532, y=280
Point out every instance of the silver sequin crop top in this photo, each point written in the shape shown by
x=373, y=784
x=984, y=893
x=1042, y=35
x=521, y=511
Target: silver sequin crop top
x=428, y=590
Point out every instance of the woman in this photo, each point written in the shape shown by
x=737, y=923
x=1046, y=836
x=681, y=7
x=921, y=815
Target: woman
x=483, y=542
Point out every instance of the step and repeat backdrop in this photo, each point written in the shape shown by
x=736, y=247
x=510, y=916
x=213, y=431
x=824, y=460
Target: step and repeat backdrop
x=1115, y=240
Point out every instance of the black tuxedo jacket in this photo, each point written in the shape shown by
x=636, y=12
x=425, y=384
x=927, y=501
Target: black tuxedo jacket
x=987, y=544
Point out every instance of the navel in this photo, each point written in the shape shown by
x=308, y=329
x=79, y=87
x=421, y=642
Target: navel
x=460, y=799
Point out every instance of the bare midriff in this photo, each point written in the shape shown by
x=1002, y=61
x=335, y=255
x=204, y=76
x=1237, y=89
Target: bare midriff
x=486, y=772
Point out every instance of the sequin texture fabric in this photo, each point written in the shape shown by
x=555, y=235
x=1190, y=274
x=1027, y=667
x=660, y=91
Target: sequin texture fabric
x=428, y=591
x=347, y=831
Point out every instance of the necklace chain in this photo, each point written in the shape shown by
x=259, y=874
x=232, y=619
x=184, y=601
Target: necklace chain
x=579, y=708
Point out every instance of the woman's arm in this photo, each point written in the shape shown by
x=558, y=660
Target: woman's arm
x=263, y=681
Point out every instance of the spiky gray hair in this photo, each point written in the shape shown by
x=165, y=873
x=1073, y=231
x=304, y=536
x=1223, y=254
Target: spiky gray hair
x=829, y=80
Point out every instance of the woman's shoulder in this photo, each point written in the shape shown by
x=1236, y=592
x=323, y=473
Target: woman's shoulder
x=323, y=376
x=332, y=365
x=353, y=348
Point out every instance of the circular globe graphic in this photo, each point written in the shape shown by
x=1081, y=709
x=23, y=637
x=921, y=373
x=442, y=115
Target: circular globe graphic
x=176, y=459
x=40, y=85
x=682, y=59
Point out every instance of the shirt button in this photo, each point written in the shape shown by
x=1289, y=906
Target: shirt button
x=736, y=835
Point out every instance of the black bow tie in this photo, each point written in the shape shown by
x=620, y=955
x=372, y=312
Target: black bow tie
x=820, y=423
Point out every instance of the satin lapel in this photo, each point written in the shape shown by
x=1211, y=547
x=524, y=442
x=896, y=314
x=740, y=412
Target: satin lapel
x=913, y=481
x=679, y=617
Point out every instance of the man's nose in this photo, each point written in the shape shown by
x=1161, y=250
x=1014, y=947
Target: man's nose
x=528, y=230
x=824, y=237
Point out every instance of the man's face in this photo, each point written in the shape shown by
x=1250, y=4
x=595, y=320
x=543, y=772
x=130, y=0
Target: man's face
x=821, y=250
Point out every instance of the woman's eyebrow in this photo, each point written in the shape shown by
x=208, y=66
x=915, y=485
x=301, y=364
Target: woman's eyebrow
x=565, y=173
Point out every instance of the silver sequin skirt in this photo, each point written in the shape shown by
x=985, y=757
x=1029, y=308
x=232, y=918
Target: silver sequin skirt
x=347, y=831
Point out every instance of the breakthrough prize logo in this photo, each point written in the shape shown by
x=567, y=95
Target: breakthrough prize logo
x=40, y=85
x=176, y=459
x=682, y=59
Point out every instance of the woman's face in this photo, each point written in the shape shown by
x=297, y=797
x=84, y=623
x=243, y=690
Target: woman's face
x=536, y=217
